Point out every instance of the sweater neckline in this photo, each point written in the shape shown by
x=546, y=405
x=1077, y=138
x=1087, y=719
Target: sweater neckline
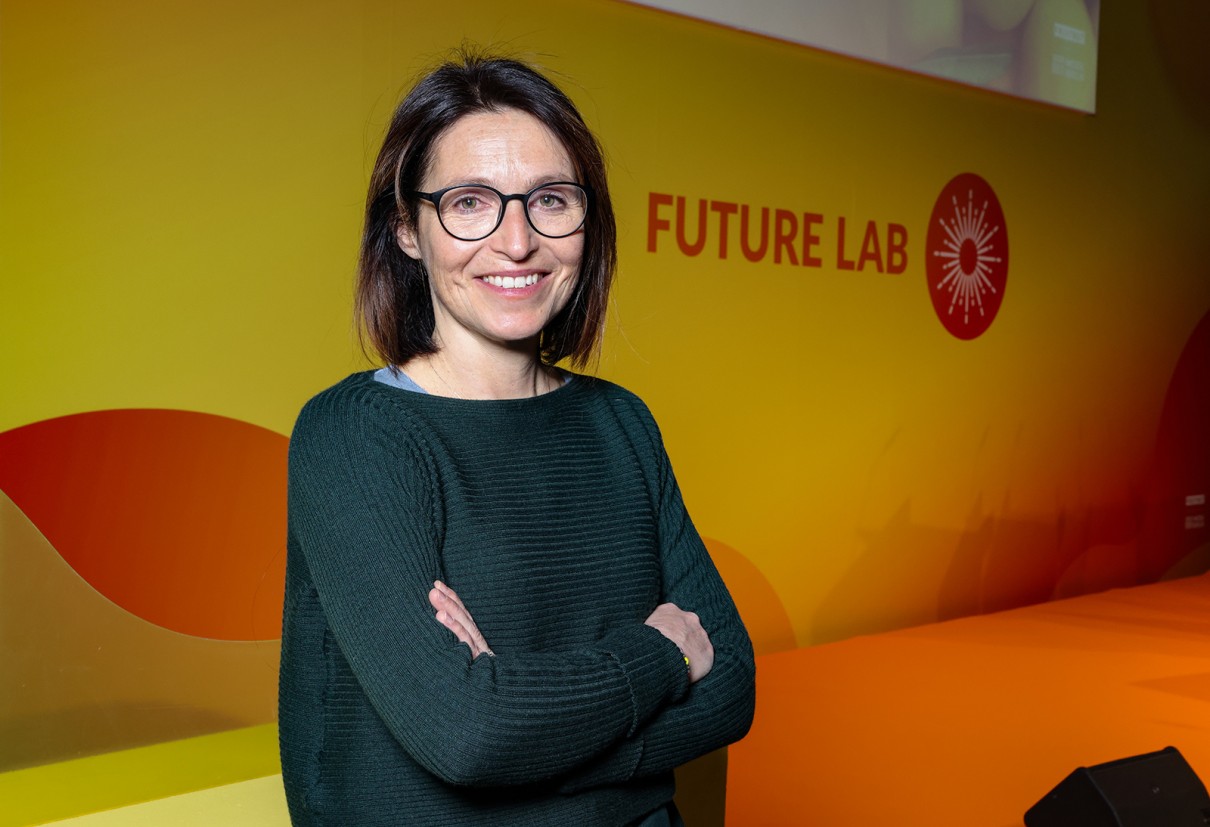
x=566, y=390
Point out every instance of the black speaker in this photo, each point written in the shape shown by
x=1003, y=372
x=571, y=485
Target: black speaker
x=1158, y=789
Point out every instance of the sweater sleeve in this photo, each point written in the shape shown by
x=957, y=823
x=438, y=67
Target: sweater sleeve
x=718, y=709
x=368, y=530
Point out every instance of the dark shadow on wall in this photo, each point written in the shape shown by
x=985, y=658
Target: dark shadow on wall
x=701, y=790
x=1182, y=30
x=1174, y=540
x=999, y=562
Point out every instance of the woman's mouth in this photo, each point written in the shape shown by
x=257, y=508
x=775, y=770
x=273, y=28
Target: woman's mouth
x=512, y=282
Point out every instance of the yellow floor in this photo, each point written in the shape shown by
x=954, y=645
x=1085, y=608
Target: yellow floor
x=256, y=803
x=115, y=781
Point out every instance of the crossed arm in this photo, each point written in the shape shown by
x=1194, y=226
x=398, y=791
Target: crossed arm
x=681, y=627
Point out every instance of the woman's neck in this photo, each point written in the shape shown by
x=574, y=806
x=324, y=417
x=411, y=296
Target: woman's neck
x=482, y=375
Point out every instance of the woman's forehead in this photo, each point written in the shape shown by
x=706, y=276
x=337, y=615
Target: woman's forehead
x=506, y=146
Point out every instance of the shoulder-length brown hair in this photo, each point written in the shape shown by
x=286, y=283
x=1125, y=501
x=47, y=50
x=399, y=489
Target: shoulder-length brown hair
x=394, y=306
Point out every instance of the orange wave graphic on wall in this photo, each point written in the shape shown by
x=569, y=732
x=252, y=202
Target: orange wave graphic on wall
x=759, y=605
x=176, y=516
x=179, y=518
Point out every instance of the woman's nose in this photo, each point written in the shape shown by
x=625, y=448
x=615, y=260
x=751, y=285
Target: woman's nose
x=515, y=236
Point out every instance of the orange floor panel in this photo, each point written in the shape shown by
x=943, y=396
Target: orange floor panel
x=968, y=723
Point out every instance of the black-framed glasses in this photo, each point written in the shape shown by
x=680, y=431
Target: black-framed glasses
x=470, y=212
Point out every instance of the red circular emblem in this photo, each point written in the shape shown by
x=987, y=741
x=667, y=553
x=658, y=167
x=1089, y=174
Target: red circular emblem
x=967, y=256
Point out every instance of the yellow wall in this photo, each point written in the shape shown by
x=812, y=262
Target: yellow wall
x=180, y=193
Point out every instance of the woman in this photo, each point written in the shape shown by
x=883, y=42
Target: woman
x=497, y=609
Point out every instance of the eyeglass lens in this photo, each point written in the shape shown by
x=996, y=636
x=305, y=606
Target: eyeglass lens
x=473, y=212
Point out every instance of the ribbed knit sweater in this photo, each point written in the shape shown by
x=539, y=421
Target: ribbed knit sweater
x=558, y=521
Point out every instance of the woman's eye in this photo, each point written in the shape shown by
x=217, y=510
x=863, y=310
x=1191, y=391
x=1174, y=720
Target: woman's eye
x=466, y=202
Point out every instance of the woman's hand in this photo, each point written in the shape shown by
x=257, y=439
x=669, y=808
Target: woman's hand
x=685, y=630
x=454, y=616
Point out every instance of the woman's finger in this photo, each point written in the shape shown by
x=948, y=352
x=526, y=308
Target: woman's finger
x=450, y=622
x=454, y=615
x=453, y=596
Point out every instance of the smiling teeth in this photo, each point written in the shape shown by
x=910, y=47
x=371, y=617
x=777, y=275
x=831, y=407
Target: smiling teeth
x=510, y=281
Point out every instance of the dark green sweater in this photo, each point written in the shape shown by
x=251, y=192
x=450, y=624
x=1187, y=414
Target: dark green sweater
x=559, y=523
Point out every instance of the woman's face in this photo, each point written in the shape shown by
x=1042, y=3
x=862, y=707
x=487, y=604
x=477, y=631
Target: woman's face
x=513, y=152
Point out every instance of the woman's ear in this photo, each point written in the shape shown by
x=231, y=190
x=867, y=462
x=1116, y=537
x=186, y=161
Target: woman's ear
x=405, y=235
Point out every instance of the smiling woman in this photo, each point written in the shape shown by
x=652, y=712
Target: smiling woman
x=509, y=281
x=497, y=609
x=394, y=299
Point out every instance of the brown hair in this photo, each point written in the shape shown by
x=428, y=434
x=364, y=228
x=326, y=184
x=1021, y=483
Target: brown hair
x=393, y=303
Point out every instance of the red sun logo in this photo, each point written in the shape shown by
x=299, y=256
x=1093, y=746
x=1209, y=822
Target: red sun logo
x=967, y=256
